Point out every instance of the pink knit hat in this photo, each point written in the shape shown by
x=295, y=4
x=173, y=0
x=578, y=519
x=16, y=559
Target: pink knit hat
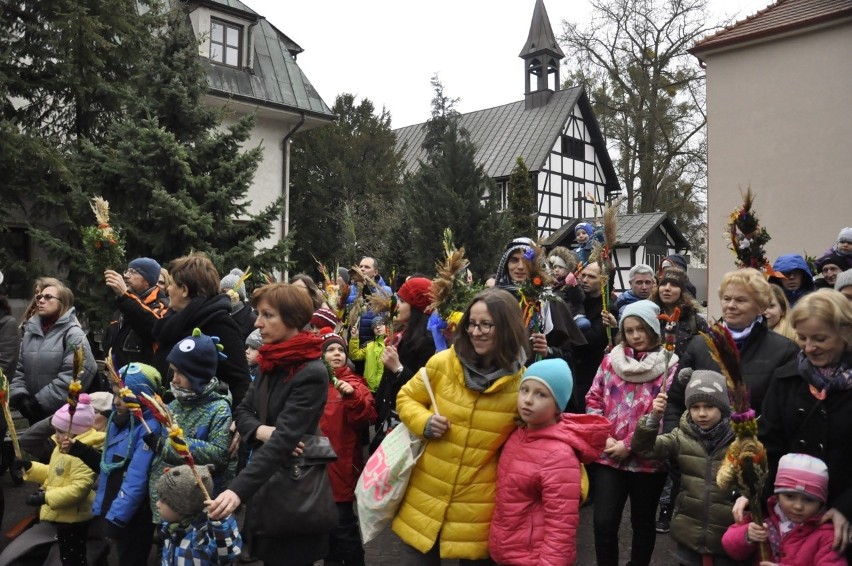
x=800, y=473
x=84, y=417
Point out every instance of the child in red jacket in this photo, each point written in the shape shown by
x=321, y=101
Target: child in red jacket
x=349, y=410
x=539, y=476
x=793, y=530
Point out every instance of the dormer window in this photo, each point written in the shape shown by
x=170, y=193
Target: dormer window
x=225, y=43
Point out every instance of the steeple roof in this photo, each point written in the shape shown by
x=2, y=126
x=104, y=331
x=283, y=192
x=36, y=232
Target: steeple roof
x=541, y=38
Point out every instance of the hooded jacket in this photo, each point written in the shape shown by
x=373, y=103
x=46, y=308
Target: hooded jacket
x=808, y=544
x=452, y=487
x=45, y=360
x=344, y=419
x=702, y=511
x=67, y=482
x=537, y=509
x=791, y=262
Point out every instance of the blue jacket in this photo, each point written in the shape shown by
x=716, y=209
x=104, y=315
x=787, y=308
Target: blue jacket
x=624, y=299
x=123, y=490
x=353, y=290
x=203, y=542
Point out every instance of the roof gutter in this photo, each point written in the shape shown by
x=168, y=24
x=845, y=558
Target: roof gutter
x=285, y=227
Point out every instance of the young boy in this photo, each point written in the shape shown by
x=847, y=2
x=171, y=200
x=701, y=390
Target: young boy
x=202, y=412
x=189, y=537
x=583, y=233
x=66, y=494
x=371, y=354
x=253, y=344
x=348, y=412
x=792, y=528
x=703, y=511
x=563, y=263
x=539, y=474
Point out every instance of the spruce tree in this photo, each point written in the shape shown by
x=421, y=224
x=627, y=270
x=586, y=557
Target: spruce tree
x=176, y=181
x=450, y=190
x=523, y=212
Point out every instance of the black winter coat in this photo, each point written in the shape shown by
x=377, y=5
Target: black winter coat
x=763, y=353
x=794, y=421
x=212, y=315
x=294, y=407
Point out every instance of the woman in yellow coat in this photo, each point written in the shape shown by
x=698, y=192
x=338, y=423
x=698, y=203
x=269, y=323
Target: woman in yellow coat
x=449, y=502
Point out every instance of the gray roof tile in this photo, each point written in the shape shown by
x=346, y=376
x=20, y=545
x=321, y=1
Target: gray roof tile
x=503, y=133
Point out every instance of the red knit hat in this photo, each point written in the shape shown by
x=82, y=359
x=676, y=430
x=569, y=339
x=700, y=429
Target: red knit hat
x=323, y=317
x=415, y=292
x=329, y=337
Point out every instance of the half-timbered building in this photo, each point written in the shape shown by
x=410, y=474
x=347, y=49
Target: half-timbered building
x=553, y=130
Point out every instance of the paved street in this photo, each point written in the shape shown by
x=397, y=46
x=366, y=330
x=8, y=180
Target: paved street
x=384, y=551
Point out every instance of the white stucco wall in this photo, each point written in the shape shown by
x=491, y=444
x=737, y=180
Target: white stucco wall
x=780, y=120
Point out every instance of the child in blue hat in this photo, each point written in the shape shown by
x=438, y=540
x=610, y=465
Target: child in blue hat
x=540, y=473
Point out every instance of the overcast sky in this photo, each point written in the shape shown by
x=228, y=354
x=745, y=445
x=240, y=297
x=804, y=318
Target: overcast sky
x=387, y=50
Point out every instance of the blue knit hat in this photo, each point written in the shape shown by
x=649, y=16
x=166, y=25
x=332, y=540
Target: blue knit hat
x=585, y=227
x=141, y=378
x=556, y=376
x=645, y=310
x=147, y=268
x=197, y=357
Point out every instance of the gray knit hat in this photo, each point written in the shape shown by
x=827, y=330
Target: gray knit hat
x=254, y=340
x=708, y=386
x=843, y=280
x=645, y=310
x=230, y=280
x=178, y=489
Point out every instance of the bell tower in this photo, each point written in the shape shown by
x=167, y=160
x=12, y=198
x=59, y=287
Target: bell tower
x=541, y=55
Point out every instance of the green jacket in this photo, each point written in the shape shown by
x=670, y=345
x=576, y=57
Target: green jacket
x=702, y=511
x=371, y=355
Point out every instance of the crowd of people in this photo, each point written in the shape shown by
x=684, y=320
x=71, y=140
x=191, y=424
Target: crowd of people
x=281, y=394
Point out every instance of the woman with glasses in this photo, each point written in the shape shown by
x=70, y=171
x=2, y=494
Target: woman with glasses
x=50, y=336
x=447, y=508
x=406, y=351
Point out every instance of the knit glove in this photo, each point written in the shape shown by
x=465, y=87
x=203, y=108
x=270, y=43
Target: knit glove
x=36, y=499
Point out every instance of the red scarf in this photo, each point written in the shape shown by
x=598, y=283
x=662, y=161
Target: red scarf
x=289, y=356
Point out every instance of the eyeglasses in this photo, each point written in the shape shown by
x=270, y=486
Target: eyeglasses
x=483, y=327
x=131, y=271
x=45, y=297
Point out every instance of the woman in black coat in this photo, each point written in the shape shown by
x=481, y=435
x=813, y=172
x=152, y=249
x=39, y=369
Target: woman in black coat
x=808, y=408
x=745, y=295
x=283, y=404
x=195, y=302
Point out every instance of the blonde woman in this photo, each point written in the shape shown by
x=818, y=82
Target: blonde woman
x=776, y=313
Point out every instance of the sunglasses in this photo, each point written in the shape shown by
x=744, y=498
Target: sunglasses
x=45, y=297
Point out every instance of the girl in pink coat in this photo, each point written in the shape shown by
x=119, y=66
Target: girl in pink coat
x=539, y=474
x=793, y=529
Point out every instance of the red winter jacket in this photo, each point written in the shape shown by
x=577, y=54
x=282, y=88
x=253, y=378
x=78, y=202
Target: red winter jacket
x=808, y=544
x=538, y=491
x=343, y=420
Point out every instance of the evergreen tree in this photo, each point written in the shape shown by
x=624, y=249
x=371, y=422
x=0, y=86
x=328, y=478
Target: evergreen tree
x=176, y=181
x=523, y=213
x=345, y=183
x=450, y=190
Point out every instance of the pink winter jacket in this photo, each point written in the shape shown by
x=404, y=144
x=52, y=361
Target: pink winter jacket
x=808, y=544
x=537, y=508
x=623, y=391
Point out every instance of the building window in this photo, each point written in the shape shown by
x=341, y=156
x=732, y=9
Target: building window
x=573, y=148
x=225, y=41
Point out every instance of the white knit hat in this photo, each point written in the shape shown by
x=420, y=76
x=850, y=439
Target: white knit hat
x=645, y=310
x=843, y=280
x=801, y=473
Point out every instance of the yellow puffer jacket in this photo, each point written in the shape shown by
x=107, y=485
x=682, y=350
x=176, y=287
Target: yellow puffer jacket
x=451, y=491
x=67, y=483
